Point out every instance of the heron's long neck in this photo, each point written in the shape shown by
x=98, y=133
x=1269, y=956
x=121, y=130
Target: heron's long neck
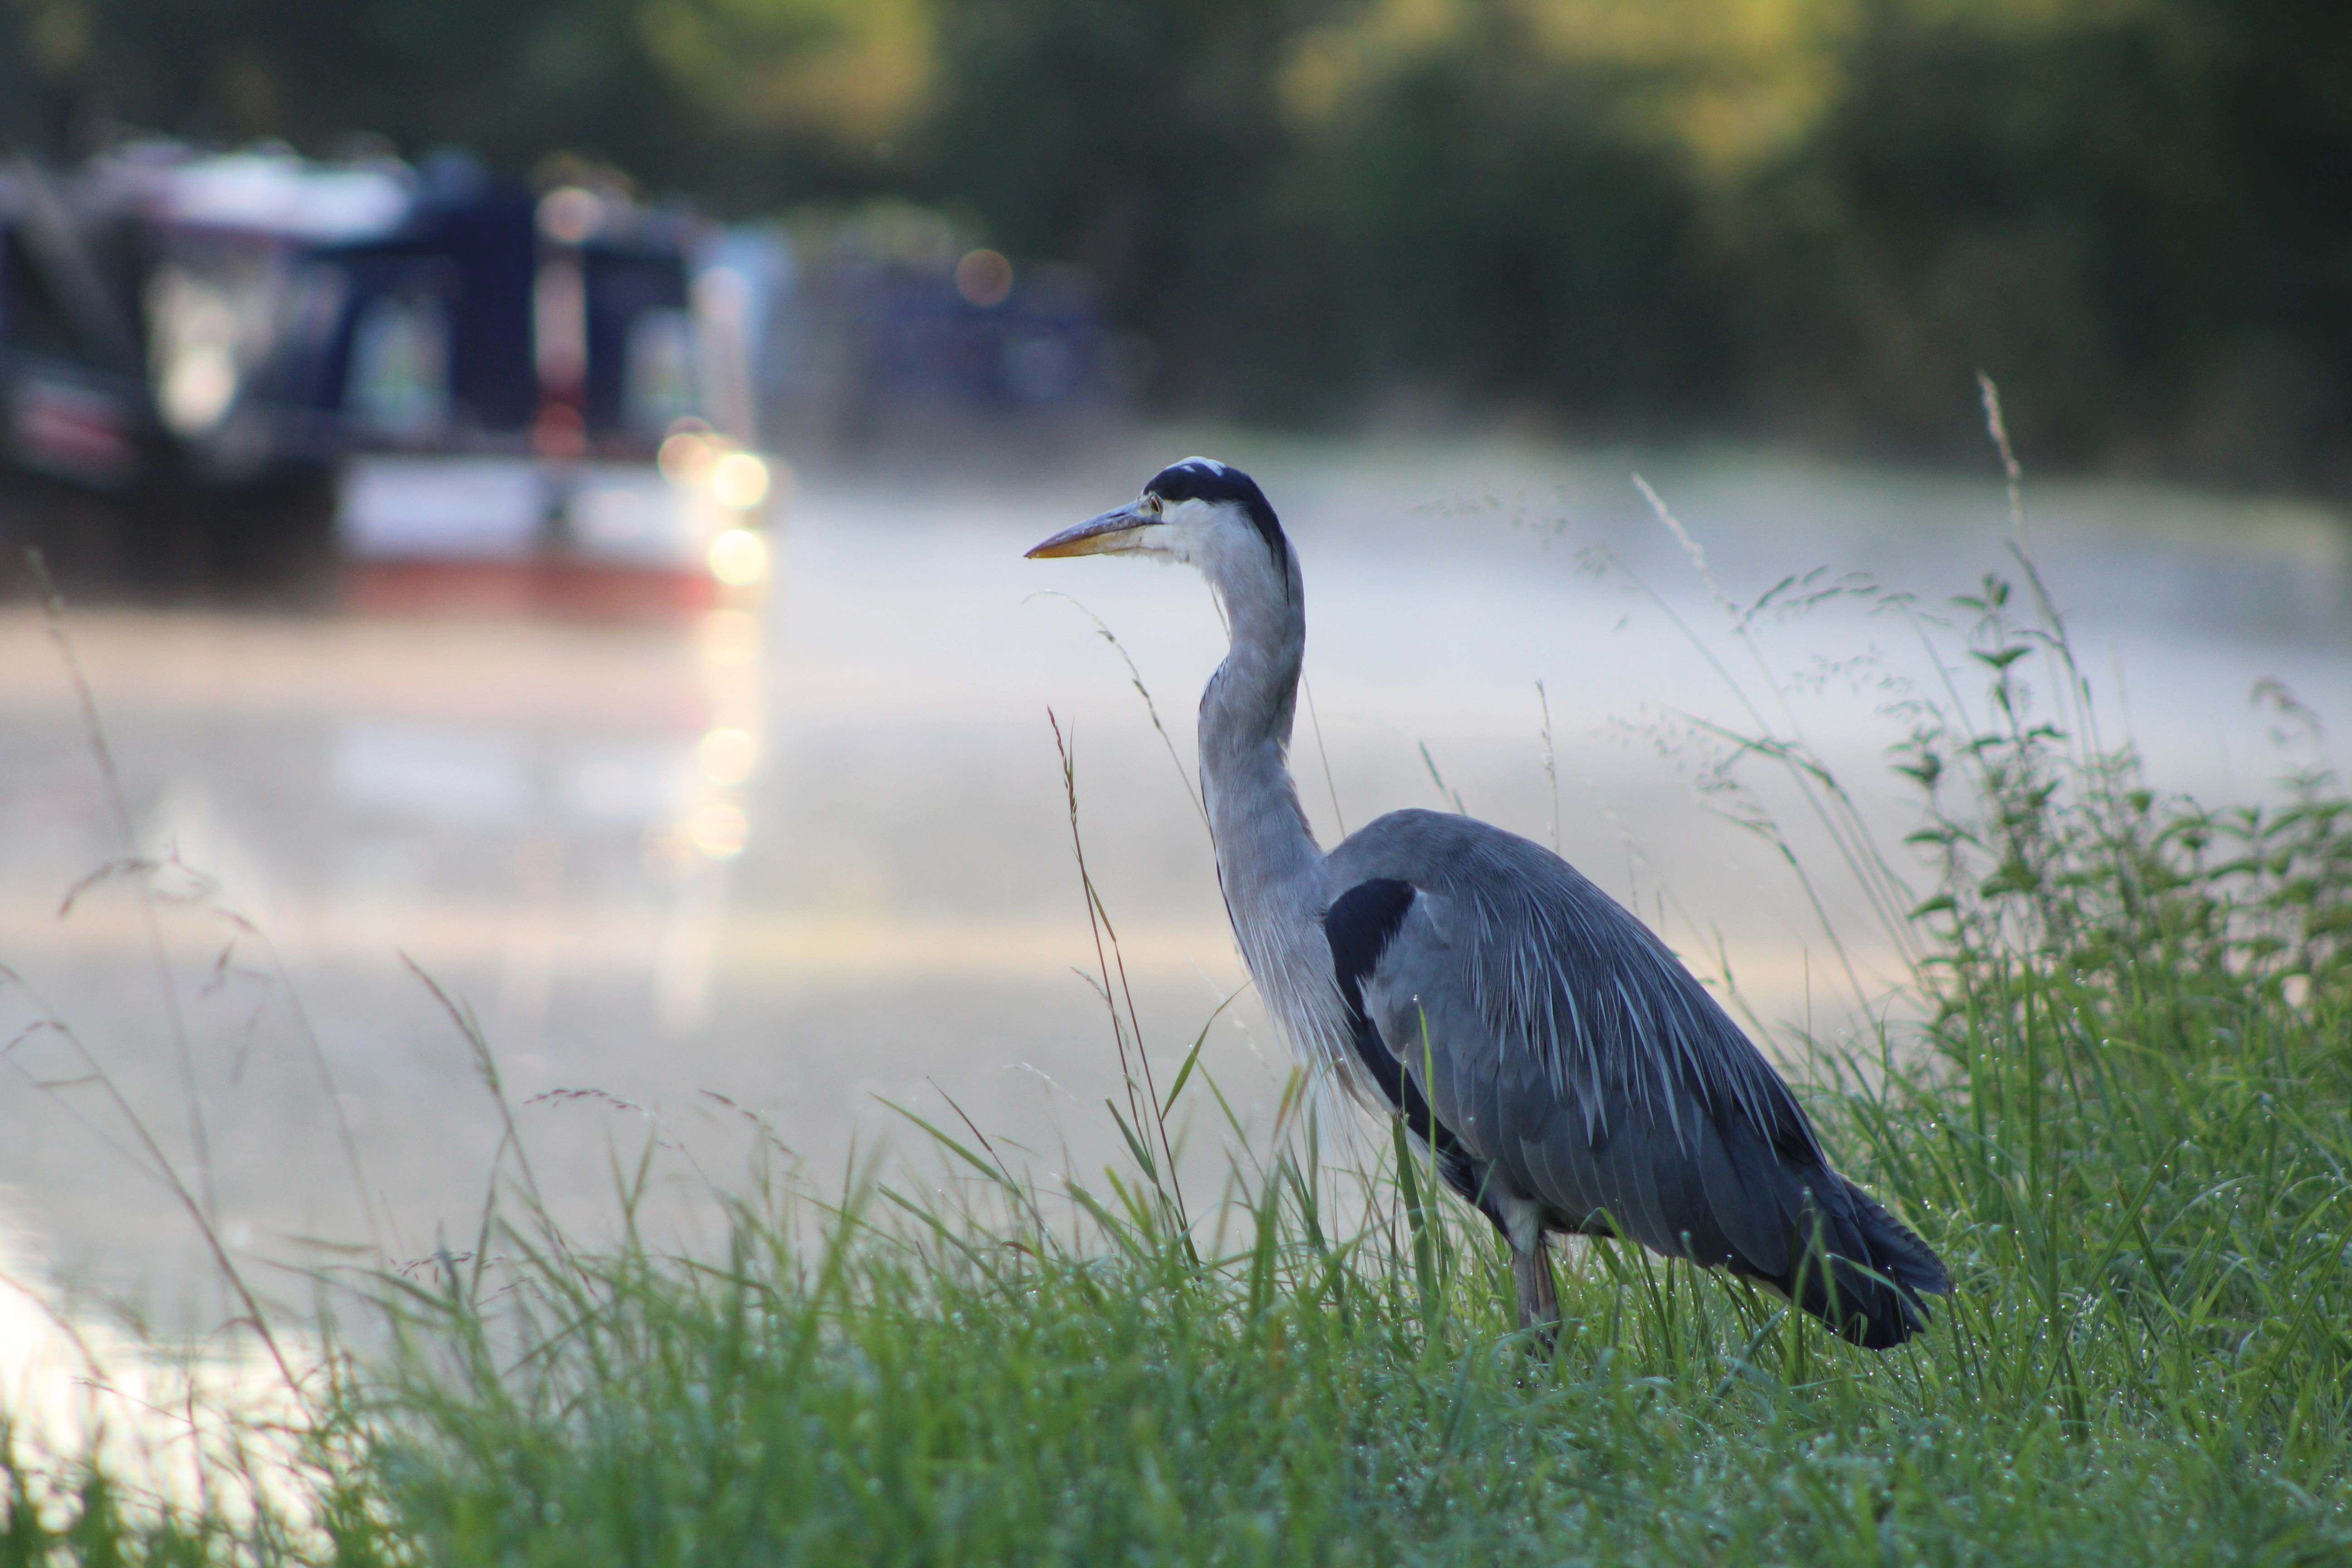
x=1267, y=857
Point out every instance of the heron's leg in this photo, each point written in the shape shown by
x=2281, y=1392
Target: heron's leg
x=1531, y=1281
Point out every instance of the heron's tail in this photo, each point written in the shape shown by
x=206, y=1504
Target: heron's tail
x=1862, y=1270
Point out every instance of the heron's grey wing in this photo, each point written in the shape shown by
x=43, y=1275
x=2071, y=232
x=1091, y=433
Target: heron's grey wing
x=1591, y=1150
x=1577, y=1063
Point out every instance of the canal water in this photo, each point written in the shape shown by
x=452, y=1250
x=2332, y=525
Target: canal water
x=732, y=887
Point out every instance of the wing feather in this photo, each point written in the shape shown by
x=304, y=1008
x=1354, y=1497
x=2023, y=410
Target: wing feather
x=1584, y=1068
x=1564, y=980
x=1682, y=1196
x=1752, y=1226
x=1630, y=1191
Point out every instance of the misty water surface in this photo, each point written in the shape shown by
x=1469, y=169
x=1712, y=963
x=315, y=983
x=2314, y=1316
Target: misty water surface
x=536, y=815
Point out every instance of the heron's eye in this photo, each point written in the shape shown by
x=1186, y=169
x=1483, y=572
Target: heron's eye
x=1151, y=504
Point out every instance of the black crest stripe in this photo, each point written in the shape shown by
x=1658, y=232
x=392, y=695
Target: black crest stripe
x=1198, y=479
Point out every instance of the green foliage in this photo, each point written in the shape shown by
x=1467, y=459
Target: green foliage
x=2107, y=206
x=1805, y=217
x=2123, y=1118
x=2128, y=1128
x=1138, y=140
x=1808, y=217
x=2060, y=862
x=1499, y=234
x=53, y=1515
x=2144, y=1362
x=695, y=97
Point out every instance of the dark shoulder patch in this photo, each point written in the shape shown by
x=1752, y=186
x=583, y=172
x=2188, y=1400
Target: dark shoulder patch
x=1205, y=478
x=1358, y=925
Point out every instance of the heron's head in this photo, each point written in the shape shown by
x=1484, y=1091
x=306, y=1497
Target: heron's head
x=1198, y=512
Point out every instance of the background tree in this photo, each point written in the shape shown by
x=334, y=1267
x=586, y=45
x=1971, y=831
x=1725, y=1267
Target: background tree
x=1811, y=218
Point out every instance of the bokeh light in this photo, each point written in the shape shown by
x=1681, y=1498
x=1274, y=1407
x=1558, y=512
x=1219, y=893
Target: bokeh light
x=738, y=558
x=687, y=457
x=739, y=481
x=570, y=215
x=984, y=277
x=727, y=756
x=719, y=830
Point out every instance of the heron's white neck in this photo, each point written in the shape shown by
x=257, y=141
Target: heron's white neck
x=1268, y=861
x=1245, y=719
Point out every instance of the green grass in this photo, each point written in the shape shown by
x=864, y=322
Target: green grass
x=2126, y=1122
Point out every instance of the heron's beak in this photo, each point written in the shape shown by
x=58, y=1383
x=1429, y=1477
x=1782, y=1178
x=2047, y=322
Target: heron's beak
x=1110, y=534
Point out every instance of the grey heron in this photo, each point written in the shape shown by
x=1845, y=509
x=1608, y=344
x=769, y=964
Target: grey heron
x=1549, y=1055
